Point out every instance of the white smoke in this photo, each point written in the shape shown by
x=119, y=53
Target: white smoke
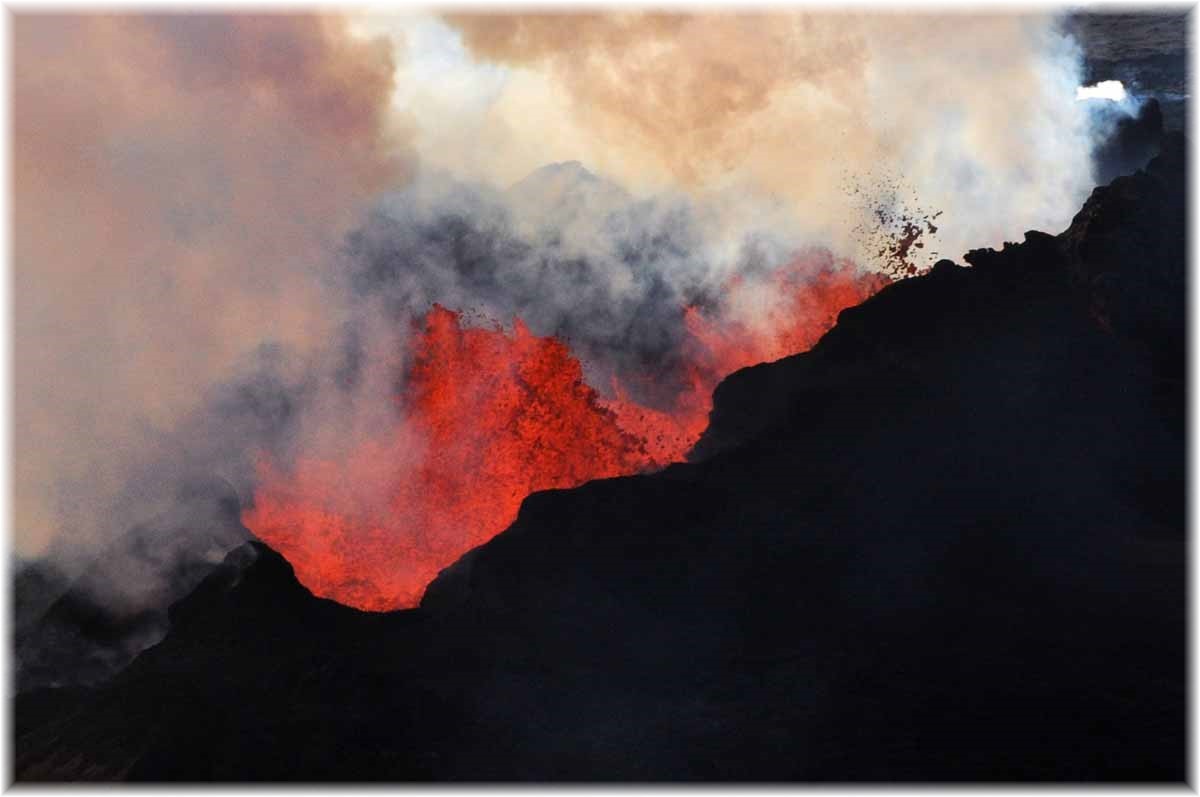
x=972, y=115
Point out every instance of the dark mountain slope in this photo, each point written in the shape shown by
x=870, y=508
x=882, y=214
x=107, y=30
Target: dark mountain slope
x=946, y=544
x=82, y=631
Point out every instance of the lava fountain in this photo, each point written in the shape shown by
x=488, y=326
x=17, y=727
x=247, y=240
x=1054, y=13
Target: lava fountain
x=502, y=414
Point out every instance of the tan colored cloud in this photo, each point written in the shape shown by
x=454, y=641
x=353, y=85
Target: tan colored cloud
x=971, y=114
x=178, y=181
x=684, y=86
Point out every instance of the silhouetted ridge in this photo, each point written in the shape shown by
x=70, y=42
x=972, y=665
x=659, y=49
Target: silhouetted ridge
x=81, y=631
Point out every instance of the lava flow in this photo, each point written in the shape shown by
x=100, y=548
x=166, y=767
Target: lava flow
x=490, y=417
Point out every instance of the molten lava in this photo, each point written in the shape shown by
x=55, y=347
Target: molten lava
x=490, y=417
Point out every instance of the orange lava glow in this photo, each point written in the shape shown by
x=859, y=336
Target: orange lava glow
x=492, y=416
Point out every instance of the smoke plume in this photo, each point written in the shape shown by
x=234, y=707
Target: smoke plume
x=179, y=182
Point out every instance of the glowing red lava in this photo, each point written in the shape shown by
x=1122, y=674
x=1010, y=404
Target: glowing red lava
x=490, y=417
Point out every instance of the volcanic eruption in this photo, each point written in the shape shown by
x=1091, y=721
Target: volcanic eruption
x=599, y=396
x=489, y=416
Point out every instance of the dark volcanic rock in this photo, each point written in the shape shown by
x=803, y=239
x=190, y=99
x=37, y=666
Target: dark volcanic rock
x=946, y=544
x=81, y=631
x=1133, y=141
x=1128, y=246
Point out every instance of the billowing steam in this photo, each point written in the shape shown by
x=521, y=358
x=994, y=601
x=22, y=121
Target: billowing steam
x=231, y=233
x=973, y=115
